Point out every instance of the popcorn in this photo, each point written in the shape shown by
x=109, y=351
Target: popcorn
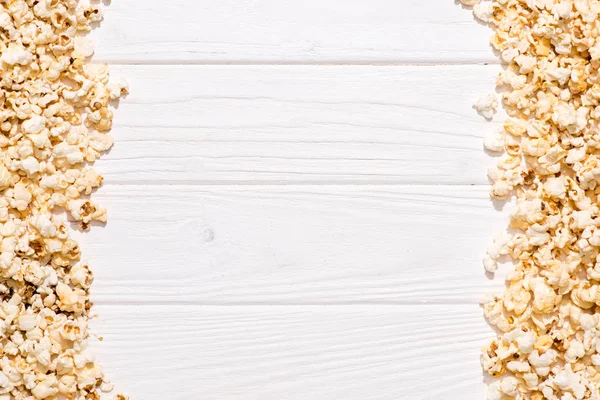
x=508, y=386
x=518, y=366
x=484, y=11
x=117, y=88
x=33, y=125
x=494, y=142
x=548, y=346
x=46, y=388
x=54, y=119
x=575, y=351
x=544, y=360
x=16, y=54
x=558, y=74
x=83, y=47
x=526, y=63
x=526, y=342
x=27, y=322
x=486, y=105
x=490, y=264
x=30, y=165
x=556, y=187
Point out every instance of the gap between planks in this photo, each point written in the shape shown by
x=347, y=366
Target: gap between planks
x=283, y=63
x=289, y=306
x=369, y=182
x=174, y=303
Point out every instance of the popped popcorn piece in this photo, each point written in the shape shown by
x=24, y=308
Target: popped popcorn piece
x=509, y=385
x=118, y=88
x=494, y=141
x=16, y=54
x=484, y=11
x=490, y=264
x=486, y=105
x=27, y=322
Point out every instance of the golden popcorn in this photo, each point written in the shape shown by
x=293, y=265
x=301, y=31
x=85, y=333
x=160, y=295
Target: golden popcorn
x=549, y=347
x=54, y=121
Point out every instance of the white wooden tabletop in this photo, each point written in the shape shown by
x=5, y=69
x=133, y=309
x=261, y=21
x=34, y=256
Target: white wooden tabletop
x=297, y=199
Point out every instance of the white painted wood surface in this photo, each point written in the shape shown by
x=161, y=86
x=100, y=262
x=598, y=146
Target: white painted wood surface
x=291, y=31
x=301, y=124
x=297, y=201
x=297, y=244
x=294, y=352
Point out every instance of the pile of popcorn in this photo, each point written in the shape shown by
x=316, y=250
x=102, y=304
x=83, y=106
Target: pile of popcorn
x=549, y=315
x=54, y=118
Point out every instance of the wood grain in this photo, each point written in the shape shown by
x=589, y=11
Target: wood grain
x=301, y=124
x=290, y=31
x=298, y=244
x=294, y=352
x=297, y=201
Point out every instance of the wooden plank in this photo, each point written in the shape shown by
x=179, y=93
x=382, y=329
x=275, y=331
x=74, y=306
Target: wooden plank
x=297, y=244
x=301, y=124
x=289, y=31
x=294, y=352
